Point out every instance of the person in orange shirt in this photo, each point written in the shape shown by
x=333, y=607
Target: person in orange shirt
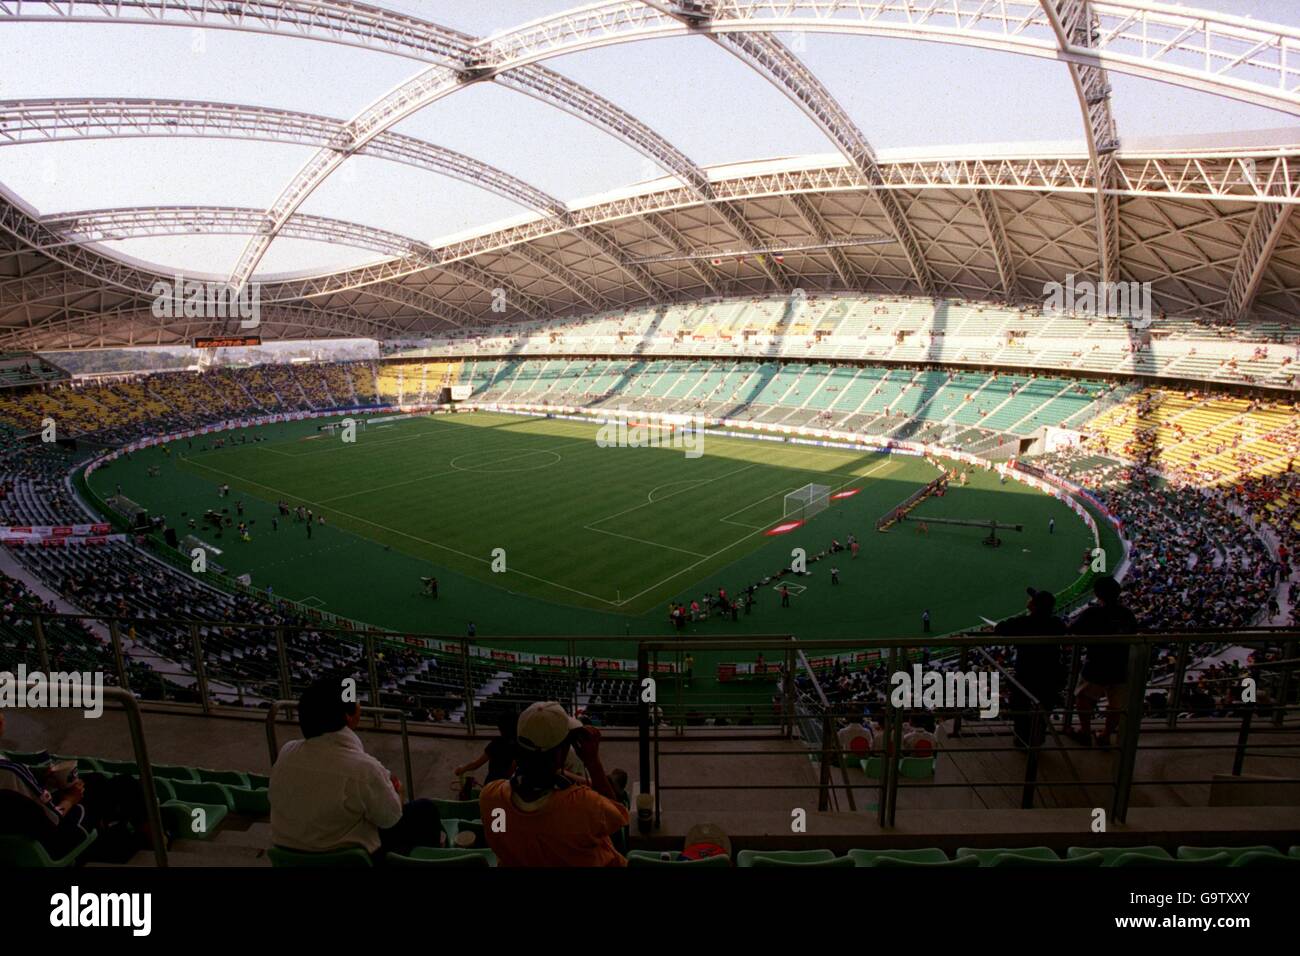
x=543, y=816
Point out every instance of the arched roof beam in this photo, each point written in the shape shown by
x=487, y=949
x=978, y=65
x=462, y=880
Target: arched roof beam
x=500, y=288
x=1199, y=49
x=1001, y=249
x=1076, y=27
x=1262, y=235
x=681, y=246
x=769, y=57
x=103, y=225
x=550, y=265
x=819, y=231
x=593, y=236
x=53, y=120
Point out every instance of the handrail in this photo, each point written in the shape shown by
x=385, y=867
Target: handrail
x=828, y=733
x=136, y=726
x=274, y=747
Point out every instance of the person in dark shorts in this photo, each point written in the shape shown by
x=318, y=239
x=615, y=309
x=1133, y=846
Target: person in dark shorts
x=1105, y=668
x=1038, y=666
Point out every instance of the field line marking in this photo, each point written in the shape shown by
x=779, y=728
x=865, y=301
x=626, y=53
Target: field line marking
x=646, y=504
x=454, y=471
x=853, y=478
x=404, y=534
x=653, y=544
x=733, y=544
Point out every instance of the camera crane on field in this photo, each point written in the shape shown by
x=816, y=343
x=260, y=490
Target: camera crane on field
x=993, y=527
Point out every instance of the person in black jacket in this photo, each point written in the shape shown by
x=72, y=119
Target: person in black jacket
x=1038, y=666
x=1105, y=668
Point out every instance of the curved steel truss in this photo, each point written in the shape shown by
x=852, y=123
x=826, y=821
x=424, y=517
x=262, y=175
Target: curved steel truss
x=1199, y=49
x=1024, y=210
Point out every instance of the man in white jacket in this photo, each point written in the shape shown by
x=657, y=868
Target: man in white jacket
x=328, y=793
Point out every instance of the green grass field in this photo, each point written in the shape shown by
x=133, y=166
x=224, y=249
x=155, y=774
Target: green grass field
x=596, y=540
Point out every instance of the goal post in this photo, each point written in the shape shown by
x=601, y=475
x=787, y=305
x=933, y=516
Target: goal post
x=803, y=503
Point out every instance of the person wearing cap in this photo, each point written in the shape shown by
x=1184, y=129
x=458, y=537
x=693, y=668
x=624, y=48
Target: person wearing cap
x=1038, y=666
x=544, y=817
x=705, y=840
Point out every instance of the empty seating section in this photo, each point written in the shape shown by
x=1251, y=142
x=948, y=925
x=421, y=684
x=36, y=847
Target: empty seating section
x=899, y=402
x=905, y=330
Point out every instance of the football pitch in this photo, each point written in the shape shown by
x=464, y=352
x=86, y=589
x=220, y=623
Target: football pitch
x=532, y=527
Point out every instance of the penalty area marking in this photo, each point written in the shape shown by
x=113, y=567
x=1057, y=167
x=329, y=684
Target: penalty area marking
x=650, y=495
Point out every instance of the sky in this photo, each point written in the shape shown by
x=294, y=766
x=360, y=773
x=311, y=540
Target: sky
x=901, y=94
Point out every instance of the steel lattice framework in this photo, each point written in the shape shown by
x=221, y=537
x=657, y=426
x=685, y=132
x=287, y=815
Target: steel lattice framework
x=1209, y=227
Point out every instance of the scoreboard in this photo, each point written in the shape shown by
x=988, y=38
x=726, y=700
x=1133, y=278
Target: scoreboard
x=226, y=342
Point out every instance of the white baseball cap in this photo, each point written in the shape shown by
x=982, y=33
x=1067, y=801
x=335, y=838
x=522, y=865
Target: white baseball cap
x=544, y=726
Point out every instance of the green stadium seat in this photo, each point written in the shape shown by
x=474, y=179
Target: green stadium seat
x=172, y=772
x=457, y=809
x=21, y=851
x=193, y=792
x=1027, y=856
x=257, y=781
x=33, y=758
x=348, y=856
x=438, y=856
x=873, y=767
x=114, y=767
x=1232, y=852
x=179, y=819
x=1127, y=856
x=917, y=768
x=652, y=858
x=1294, y=851
x=814, y=858
x=163, y=789
x=231, y=778
x=250, y=802
x=928, y=856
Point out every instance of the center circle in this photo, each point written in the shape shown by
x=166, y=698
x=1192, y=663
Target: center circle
x=510, y=463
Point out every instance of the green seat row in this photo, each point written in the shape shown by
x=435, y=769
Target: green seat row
x=357, y=857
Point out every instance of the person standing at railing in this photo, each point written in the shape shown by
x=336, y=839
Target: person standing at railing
x=1038, y=667
x=1105, y=669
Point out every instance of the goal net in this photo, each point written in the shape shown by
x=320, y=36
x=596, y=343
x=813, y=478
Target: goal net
x=803, y=503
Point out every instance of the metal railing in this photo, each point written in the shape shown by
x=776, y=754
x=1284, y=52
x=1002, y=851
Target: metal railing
x=210, y=664
x=817, y=717
x=134, y=724
x=658, y=701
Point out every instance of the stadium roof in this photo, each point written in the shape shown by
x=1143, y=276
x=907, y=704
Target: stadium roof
x=1204, y=216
